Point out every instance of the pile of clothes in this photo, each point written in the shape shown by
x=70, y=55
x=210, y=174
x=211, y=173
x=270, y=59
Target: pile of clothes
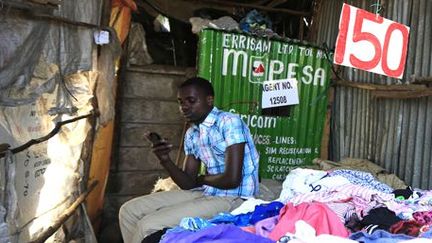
x=338, y=204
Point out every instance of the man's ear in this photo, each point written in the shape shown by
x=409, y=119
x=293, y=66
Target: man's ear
x=210, y=100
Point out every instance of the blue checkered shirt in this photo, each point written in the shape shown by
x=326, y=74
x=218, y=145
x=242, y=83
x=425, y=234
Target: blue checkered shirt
x=208, y=141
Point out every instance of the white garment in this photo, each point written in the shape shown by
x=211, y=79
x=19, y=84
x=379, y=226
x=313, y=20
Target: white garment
x=299, y=181
x=329, y=182
x=248, y=206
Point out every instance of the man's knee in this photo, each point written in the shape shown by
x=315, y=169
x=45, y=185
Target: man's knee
x=124, y=212
x=157, y=221
x=144, y=229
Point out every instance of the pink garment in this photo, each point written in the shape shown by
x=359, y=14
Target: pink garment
x=316, y=214
x=424, y=217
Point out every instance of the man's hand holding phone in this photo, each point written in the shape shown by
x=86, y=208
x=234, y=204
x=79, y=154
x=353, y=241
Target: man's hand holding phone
x=160, y=146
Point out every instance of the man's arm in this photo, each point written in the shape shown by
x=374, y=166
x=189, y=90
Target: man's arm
x=184, y=179
x=188, y=179
x=232, y=176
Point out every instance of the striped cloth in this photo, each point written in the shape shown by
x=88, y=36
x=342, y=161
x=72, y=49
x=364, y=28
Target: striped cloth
x=208, y=142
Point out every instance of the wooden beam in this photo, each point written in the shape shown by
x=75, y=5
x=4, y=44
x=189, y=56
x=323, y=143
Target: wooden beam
x=179, y=158
x=406, y=94
x=389, y=87
x=301, y=29
x=53, y=132
x=421, y=80
x=275, y=3
x=325, y=139
x=264, y=8
x=58, y=19
x=313, y=28
x=392, y=91
x=27, y=6
x=102, y=138
x=4, y=147
x=42, y=12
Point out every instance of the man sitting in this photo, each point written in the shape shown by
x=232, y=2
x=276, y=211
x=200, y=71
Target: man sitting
x=220, y=140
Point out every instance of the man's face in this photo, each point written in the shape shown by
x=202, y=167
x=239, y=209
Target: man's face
x=194, y=104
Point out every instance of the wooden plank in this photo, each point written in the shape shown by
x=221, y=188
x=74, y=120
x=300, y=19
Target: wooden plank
x=324, y=152
x=101, y=154
x=395, y=87
x=415, y=94
x=254, y=6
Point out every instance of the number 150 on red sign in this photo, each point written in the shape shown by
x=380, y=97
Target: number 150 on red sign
x=370, y=42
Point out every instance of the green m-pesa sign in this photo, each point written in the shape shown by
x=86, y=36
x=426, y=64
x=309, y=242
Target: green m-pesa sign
x=240, y=66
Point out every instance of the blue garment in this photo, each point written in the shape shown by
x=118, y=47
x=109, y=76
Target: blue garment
x=227, y=218
x=363, y=179
x=223, y=233
x=264, y=211
x=194, y=223
x=261, y=212
x=254, y=19
x=208, y=142
x=427, y=234
x=379, y=236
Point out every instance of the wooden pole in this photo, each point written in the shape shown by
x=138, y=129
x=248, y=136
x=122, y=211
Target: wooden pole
x=179, y=162
x=46, y=137
x=66, y=215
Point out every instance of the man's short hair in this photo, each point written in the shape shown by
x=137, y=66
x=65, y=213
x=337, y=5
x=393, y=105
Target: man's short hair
x=200, y=83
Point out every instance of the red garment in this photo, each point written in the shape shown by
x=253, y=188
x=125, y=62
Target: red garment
x=316, y=214
x=411, y=227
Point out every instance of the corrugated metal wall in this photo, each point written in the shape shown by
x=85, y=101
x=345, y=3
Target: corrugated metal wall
x=394, y=133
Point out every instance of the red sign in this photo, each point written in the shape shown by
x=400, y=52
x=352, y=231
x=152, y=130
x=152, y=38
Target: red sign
x=370, y=42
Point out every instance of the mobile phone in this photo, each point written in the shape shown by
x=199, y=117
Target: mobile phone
x=154, y=138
